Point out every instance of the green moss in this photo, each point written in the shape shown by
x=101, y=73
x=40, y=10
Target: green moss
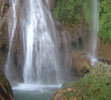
x=85, y=69
x=87, y=7
x=95, y=85
x=68, y=84
x=69, y=94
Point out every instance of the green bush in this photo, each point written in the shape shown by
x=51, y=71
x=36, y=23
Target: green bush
x=105, y=20
x=68, y=12
x=72, y=12
x=87, y=7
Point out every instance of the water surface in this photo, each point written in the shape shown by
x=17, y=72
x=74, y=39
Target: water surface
x=33, y=96
x=34, y=92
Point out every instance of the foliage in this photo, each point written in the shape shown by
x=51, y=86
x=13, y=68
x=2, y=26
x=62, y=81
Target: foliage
x=95, y=85
x=68, y=12
x=105, y=20
x=71, y=12
x=87, y=6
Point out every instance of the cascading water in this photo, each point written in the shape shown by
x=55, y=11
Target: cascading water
x=40, y=43
x=94, y=31
x=41, y=62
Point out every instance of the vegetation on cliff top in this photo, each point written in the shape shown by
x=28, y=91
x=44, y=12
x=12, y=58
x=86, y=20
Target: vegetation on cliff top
x=68, y=12
x=105, y=20
x=72, y=12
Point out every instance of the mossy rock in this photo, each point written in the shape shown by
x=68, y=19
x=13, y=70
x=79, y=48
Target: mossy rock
x=81, y=63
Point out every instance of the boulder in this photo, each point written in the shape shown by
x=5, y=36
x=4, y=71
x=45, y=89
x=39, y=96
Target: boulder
x=5, y=88
x=80, y=63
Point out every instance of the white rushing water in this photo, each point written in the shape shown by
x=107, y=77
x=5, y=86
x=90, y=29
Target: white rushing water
x=41, y=62
x=94, y=31
x=40, y=43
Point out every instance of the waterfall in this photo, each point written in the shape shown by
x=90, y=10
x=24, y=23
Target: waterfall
x=41, y=62
x=94, y=31
x=40, y=43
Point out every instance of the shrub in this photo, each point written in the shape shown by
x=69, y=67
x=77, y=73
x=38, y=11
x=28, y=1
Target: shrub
x=105, y=20
x=68, y=12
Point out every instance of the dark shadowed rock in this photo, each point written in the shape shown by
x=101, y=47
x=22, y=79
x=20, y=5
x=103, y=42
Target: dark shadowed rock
x=5, y=88
x=4, y=14
x=16, y=54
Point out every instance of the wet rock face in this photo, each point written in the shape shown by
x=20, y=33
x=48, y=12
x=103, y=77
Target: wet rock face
x=104, y=50
x=5, y=18
x=79, y=61
x=52, y=4
x=4, y=6
x=5, y=88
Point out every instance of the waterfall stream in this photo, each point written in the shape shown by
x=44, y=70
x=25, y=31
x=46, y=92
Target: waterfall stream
x=94, y=31
x=41, y=62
